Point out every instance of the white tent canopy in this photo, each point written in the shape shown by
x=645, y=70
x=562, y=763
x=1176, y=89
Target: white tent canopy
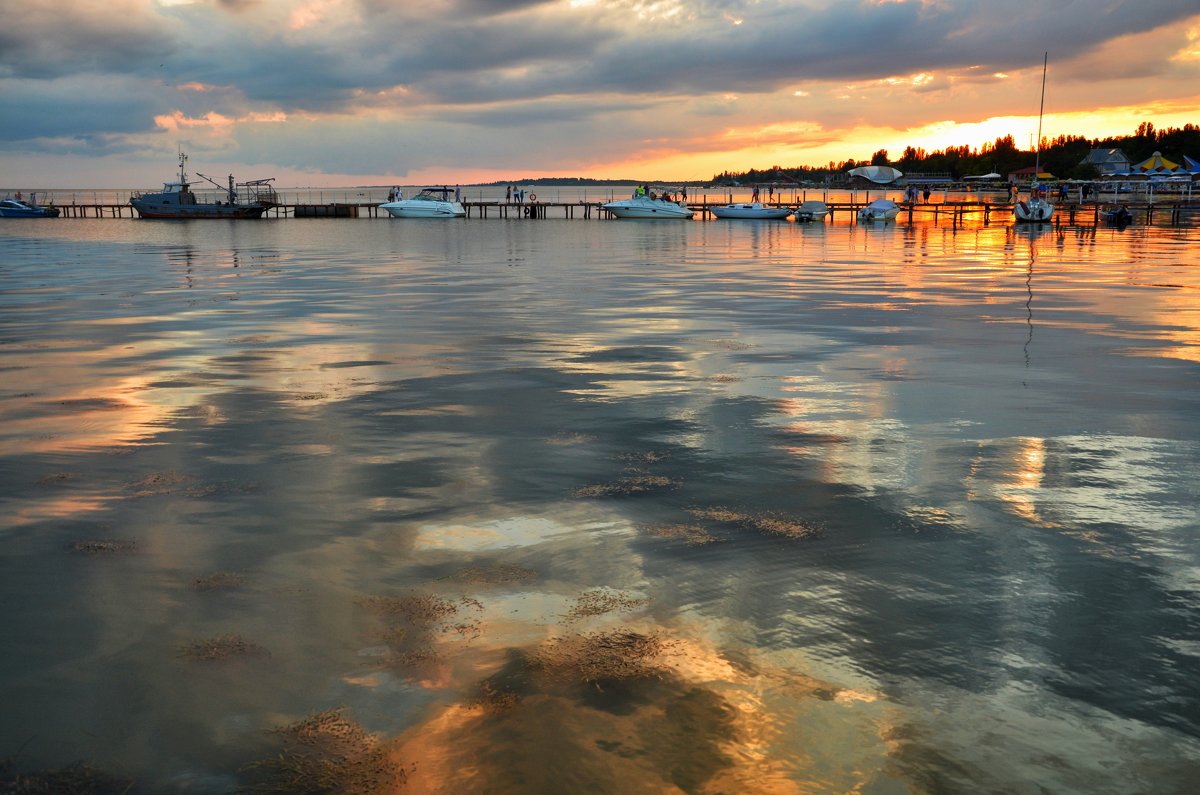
x=880, y=175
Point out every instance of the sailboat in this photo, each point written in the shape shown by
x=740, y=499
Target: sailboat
x=1036, y=208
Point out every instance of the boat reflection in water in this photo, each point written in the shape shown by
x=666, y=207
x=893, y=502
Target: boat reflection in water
x=176, y=200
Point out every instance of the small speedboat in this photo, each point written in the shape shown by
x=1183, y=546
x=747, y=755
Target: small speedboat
x=644, y=206
x=879, y=210
x=15, y=208
x=429, y=203
x=753, y=210
x=812, y=210
x=1118, y=216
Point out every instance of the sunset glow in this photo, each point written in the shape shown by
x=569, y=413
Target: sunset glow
x=365, y=92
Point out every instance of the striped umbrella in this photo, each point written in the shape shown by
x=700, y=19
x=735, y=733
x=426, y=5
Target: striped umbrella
x=1155, y=162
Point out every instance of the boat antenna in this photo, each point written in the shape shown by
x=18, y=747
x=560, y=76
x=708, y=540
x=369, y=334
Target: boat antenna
x=1037, y=158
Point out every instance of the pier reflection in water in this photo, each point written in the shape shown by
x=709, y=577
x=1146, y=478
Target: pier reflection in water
x=601, y=507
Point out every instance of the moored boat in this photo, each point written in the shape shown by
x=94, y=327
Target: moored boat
x=177, y=200
x=879, y=210
x=429, y=203
x=751, y=210
x=646, y=204
x=16, y=208
x=812, y=210
x=1036, y=208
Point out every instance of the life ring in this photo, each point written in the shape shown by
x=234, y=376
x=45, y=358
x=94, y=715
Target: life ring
x=533, y=197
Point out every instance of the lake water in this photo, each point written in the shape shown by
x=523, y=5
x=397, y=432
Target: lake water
x=601, y=506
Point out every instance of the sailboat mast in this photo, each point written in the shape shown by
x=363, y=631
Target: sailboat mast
x=1037, y=159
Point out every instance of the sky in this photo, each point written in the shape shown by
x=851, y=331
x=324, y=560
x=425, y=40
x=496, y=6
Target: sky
x=105, y=93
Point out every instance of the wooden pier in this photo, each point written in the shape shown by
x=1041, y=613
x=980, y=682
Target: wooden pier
x=957, y=213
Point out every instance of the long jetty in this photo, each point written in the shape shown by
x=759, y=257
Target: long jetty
x=1067, y=214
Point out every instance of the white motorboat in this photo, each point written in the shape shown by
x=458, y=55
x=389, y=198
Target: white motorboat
x=429, y=203
x=1036, y=209
x=649, y=206
x=879, y=210
x=812, y=210
x=753, y=210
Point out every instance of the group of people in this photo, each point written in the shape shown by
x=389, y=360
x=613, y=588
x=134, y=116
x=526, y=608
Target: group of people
x=913, y=194
x=644, y=191
x=513, y=193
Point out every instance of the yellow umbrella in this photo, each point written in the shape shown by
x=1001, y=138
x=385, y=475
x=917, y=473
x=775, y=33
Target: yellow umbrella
x=1155, y=162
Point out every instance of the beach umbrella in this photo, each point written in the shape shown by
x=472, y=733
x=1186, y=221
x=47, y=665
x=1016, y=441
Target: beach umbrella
x=1192, y=166
x=1156, y=163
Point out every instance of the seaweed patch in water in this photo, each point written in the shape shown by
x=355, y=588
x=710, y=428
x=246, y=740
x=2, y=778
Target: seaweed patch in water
x=600, y=601
x=219, y=581
x=497, y=574
x=599, y=657
x=103, y=546
x=694, y=535
x=644, y=457
x=326, y=753
x=769, y=523
x=564, y=439
x=221, y=647
x=58, y=478
x=412, y=624
x=635, y=483
x=77, y=778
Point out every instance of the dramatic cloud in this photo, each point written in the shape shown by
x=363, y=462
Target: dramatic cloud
x=585, y=84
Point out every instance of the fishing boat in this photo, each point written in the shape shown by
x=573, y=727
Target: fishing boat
x=647, y=204
x=812, y=210
x=879, y=210
x=1036, y=208
x=177, y=200
x=16, y=208
x=429, y=203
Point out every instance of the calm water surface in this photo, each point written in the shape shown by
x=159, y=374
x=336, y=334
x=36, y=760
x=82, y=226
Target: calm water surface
x=584, y=506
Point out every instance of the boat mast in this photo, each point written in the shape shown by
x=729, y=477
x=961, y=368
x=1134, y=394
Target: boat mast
x=1037, y=159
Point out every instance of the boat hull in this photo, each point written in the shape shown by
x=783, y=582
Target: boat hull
x=879, y=210
x=15, y=208
x=751, y=212
x=1033, y=211
x=424, y=209
x=811, y=211
x=649, y=209
x=870, y=216
x=186, y=211
x=36, y=212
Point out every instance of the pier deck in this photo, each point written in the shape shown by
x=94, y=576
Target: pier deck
x=1068, y=214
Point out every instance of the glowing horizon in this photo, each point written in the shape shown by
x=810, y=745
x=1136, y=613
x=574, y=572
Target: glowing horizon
x=354, y=92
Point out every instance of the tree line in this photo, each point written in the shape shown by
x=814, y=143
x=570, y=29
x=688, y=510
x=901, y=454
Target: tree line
x=1062, y=156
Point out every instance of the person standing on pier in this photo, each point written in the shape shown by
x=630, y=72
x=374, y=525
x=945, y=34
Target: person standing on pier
x=508, y=194
x=458, y=193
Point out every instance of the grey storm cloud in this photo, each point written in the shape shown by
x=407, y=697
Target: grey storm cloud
x=467, y=59
x=46, y=40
